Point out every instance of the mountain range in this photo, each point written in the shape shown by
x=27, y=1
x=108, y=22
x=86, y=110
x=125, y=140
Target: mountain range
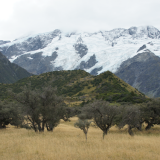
x=97, y=52
x=93, y=52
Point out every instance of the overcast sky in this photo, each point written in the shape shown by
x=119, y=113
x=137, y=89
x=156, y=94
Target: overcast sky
x=23, y=17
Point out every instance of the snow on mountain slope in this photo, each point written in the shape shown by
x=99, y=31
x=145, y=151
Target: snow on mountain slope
x=93, y=52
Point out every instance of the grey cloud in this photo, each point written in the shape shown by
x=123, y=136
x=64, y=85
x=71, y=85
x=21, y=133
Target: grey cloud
x=33, y=16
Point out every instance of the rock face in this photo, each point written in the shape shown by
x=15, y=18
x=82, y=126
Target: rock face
x=35, y=64
x=94, y=52
x=10, y=72
x=86, y=65
x=141, y=48
x=142, y=72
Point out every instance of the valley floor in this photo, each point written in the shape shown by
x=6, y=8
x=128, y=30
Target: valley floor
x=68, y=143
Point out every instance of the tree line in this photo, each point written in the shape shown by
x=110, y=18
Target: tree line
x=41, y=108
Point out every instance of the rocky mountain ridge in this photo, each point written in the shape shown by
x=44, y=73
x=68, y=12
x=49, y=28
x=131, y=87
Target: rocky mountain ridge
x=142, y=72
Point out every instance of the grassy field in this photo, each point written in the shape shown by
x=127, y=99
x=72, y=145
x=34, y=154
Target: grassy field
x=68, y=143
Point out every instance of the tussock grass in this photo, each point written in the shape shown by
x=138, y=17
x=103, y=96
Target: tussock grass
x=68, y=143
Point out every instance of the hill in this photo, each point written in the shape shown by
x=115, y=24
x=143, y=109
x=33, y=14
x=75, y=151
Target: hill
x=10, y=72
x=78, y=85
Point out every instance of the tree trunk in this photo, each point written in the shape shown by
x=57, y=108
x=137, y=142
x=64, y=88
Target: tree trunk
x=148, y=126
x=105, y=132
x=34, y=126
x=1, y=125
x=85, y=132
x=130, y=131
x=140, y=127
x=86, y=137
x=49, y=127
x=35, y=129
x=40, y=128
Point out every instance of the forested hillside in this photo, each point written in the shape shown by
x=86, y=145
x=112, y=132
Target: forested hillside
x=78, y=85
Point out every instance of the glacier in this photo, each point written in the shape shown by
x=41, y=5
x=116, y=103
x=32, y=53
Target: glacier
x=57, y=50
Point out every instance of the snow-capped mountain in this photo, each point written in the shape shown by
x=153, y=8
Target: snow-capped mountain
x=93, y=52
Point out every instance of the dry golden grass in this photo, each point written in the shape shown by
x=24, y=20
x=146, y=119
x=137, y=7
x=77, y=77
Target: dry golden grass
x=68, y=143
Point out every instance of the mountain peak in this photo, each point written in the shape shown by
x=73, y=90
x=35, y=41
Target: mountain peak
x=149, y=31
x=140, y=57
x=142, y=72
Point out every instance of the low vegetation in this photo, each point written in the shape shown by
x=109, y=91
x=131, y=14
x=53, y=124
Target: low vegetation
x=103, y=102
x=40, y=108
x=68, y=142
x=79, y=85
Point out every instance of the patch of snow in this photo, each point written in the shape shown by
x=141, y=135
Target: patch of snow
x=29, y=57
x=13, y=58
